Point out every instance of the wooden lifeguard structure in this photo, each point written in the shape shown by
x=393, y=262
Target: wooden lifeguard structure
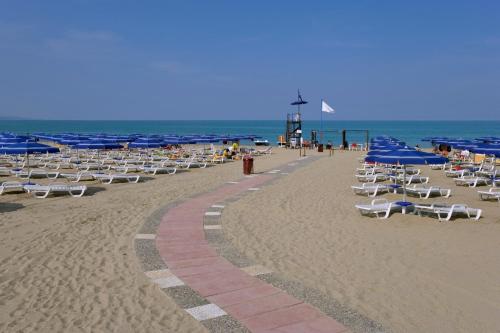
x=293, y=133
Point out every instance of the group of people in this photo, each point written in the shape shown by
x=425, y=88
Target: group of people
x=463, y=155
x=231, y=151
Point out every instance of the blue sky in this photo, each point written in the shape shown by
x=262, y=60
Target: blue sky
x=105, y=59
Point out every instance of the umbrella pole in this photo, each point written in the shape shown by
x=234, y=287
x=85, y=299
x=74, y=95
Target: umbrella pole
x=404, y=182
x=28, y=161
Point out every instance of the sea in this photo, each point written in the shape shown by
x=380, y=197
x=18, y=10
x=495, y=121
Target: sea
x=411, y=132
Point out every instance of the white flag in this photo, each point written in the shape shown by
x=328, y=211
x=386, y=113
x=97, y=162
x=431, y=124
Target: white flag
x=326, y=108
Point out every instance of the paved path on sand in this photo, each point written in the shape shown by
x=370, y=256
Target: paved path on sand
x=223, y=296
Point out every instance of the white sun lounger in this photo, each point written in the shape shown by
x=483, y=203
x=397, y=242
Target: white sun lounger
x=445, y=212
x=424, y=192
x=109, y=178
x=42, y=191
x=36, y=173
x=154, y=170
x=472, y=181
x=488, y=173
x=77, y=177
x=58, y=165
x=381, y=208
x=5, y=171
x=257, y=152
x=371, y=189
x=369, y=170
x=372, y=178
x=492, y=194
x=409, y=171
x=438, y=166
x=92, y=166
x=410, y=179
x=132, y=162
x=218, y=159
x=457, y=173
x=126, y=168
x=11, y=186
x=190, y=163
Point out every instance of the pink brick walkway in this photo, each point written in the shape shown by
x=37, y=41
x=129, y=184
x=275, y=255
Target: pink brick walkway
x=256, y=304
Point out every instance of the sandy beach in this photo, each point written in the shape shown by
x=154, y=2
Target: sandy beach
x=409, y=273
x=69, y=264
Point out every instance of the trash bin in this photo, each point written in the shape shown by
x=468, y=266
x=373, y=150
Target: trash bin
x=247, y=165
x=320, y=148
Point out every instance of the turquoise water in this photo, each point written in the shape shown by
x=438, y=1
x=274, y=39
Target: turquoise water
x=409, y=131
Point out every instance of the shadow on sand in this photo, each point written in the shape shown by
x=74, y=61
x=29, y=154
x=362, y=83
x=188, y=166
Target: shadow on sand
x=6, y=207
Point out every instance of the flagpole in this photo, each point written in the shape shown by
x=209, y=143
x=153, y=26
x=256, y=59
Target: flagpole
x=321, y=122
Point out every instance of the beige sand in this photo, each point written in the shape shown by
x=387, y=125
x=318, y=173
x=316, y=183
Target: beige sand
x=409, y=273
x=68, y=265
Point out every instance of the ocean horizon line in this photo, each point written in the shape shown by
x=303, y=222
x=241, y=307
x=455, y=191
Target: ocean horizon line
x=214, y=120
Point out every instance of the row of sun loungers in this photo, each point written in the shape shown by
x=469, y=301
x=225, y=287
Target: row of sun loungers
x=113, y=167
x=109, y=178
x=445, y=212
x=472, y=181
x=42, y=191
x=492, y=194
x=421, y=191
x=470, y=175
x=382, y=209
x=371, y=190
x=380, y=177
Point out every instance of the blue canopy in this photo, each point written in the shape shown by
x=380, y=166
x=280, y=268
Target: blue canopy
x=151, y=144
x=96, y=145
x=486, y=150
x=27, y=147
x=405, y=156
x=147, y=142
x=15, y=139
x=207, y=140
